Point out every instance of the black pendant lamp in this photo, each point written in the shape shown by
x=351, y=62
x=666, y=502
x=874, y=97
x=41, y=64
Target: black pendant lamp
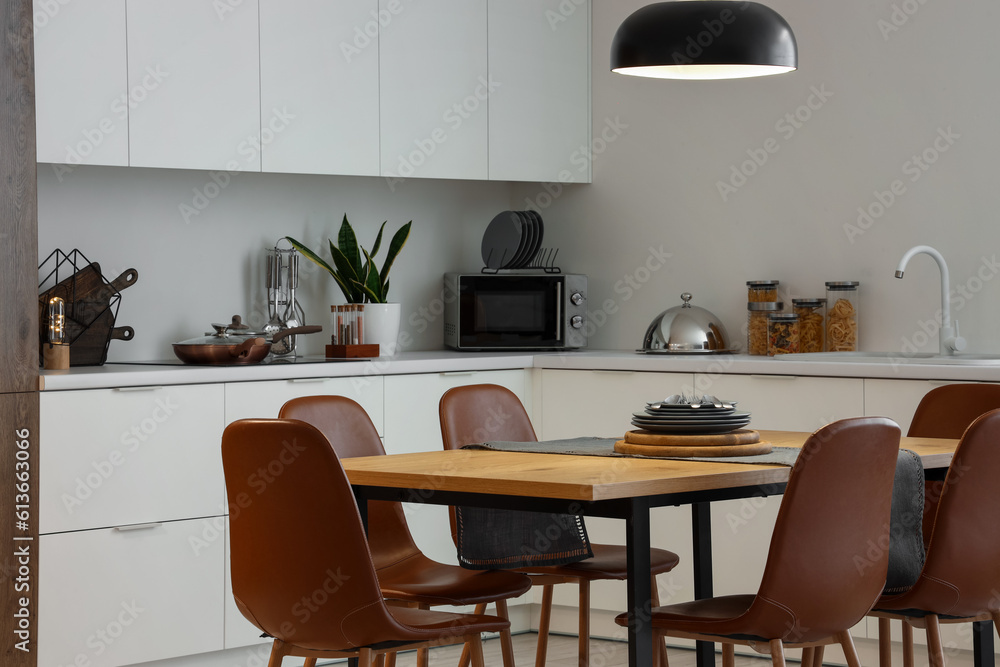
x=704, y=39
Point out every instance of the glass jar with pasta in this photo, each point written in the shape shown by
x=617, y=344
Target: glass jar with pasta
x=762, y=291
x=842, y=316
x=812, y=323
x=782, y=333
x=757, y=312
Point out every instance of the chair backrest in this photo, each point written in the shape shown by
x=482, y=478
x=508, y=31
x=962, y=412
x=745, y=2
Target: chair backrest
x=482, y=412
x=351, y=433
x=946, y=411
x=478, y=413
x=962, y=568
x=829, y=550
x=301, y=571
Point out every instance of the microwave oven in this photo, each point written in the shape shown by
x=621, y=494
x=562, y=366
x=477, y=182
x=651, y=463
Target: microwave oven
x=515, y=311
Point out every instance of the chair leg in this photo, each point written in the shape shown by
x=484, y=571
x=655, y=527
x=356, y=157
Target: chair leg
x=728, y=655
x=390, y=659
x=777, y=653
x=885, y=642
x=818, y=656
x=907, y=644
x=476, y=646
x=309, y=662
x=659, y=641
x=364, y=657
x=847, y=643
x=808, y=655
x=996, y=621
x=467, y=650
x=935, y=650
x=278, y=653
x=423, y=655
x=545, y=616
x=506, y=643
x=584, y=655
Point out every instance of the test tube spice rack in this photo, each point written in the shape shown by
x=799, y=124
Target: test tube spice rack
x=348, y=337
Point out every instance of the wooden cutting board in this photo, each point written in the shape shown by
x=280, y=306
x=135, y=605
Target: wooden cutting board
x=739, y=437
x=751, y=449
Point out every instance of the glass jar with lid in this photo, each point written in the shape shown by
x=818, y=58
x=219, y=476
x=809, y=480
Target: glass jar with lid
x=842, y=316
x=762, y=291
x=757, y=312
x=812, y=323
x=782, y=333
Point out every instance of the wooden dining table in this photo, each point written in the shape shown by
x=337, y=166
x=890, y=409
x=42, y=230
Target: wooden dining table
x=615, y=487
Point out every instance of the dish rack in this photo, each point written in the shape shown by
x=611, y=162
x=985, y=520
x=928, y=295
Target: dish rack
x=90, y=302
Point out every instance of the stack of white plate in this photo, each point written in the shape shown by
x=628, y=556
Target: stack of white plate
x=701, y=417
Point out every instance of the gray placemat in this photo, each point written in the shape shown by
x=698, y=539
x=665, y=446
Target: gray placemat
x=606, y=447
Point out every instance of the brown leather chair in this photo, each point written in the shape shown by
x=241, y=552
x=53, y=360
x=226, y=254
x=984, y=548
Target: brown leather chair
x=301, y=569
x=836, y=505
x=945, y=412
x=404, y=572
x=961, y=574
x=475, y=413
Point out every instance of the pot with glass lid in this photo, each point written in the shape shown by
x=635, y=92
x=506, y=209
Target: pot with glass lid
x=686, y=329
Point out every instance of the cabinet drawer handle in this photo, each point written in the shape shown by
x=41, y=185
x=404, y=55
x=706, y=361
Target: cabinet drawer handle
x=131, y=389
x=138, y=526
x=774, y=377
x=308, y=380
x=453, y=374
x=612, y=371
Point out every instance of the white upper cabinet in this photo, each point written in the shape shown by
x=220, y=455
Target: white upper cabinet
x=81, y=98
x=539, y=61
x=434, y=89
x=198, y=63
x=319, y=67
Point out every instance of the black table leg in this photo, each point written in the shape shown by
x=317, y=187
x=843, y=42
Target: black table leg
x=982, y=644
x=640, y=632
x=701, y=530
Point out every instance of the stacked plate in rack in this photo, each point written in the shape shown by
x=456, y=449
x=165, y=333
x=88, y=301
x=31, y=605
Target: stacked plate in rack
x=512, y=240
x=703, y=416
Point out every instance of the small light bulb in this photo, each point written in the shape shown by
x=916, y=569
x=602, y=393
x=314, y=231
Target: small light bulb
x=57, y=321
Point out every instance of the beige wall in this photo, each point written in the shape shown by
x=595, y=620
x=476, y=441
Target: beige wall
x=892, y=92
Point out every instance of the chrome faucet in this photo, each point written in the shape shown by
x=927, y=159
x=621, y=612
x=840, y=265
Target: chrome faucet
x=950, y=340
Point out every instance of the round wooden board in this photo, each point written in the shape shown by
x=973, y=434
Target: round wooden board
x=751, y=449
x=740, y=437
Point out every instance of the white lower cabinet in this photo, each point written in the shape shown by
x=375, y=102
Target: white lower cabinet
x=263, y=400
x=897, y=399
x=113, y=457
x=123, y=596
x=412, y=425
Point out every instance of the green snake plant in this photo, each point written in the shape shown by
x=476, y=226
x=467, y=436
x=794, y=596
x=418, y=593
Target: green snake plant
x=354, y=268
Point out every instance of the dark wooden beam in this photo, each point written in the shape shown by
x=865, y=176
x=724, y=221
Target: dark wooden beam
x=19, y=353
x=18, y=201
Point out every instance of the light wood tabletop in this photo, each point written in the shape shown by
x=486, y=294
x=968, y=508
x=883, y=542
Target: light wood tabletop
x=587, y=478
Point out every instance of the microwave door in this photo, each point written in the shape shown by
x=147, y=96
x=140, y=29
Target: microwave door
x=513, y=313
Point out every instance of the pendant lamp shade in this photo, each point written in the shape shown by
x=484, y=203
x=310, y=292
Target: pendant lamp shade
x=704, y=39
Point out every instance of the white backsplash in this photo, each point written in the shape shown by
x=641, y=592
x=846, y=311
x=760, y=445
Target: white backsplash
x=203, y=267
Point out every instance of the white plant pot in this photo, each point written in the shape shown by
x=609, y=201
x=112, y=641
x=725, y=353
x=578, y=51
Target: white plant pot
x=382, y=326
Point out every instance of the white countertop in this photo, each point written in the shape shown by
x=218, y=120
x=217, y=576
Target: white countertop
x=450, y=361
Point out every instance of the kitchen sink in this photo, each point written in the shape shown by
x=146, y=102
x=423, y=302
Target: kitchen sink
x=957, y=359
